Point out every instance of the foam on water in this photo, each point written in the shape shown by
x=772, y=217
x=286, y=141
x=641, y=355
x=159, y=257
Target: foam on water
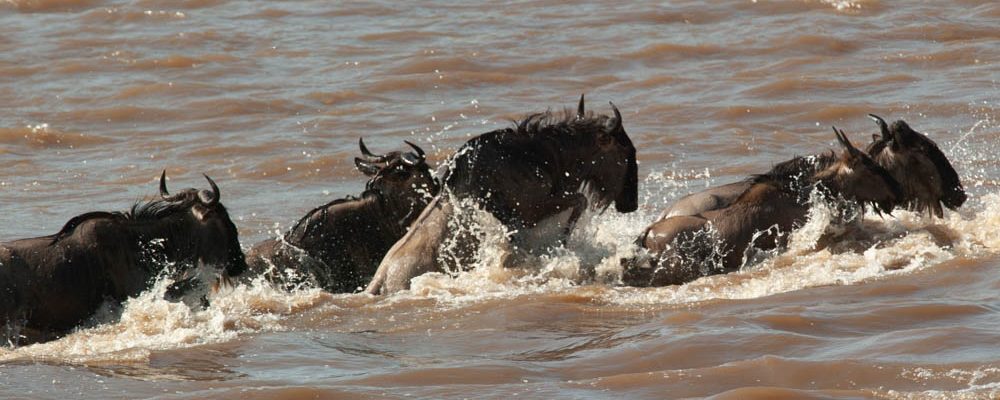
x=149, y=323
x=981, y=383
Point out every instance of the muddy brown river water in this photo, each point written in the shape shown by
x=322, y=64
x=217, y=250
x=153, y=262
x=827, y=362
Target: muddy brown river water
x=269, y=98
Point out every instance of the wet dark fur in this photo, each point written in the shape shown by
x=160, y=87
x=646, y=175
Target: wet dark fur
x=51, y=284
x=537, y=144
x=927, y=177
x=338, y=245
x=524, y=175
x=682, y=248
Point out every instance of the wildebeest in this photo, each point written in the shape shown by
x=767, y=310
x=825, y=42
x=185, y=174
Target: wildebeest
x=542, y=169
x=926, y=176
x=684, y=247
x=51, y=284
x=338, y=246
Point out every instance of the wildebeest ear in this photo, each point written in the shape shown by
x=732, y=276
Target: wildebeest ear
x=579, y=109
x=366, y=167
x=616, y=123
x=421, y=156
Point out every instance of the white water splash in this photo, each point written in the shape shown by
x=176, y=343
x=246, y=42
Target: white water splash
x=149, y=323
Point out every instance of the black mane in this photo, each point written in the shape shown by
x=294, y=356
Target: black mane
x=150, y=210
x=796, y=169
x=160, y=208
x=303, y=228
x=549, y=123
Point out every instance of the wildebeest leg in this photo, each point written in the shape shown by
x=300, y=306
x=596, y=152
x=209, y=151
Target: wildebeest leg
x=176, y=291
x=663, y=264
x=417, y=252
x=578, y=204
x=551, y=212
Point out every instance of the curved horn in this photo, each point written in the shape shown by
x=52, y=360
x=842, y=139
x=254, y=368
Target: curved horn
x=618, y=118
x=882, y=126
x=216, y=195
x=842, y=138
x=364, y=149
x=163, y=185
x=420, y=152
x=579, y=108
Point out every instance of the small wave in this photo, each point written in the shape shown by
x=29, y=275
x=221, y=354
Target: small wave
x=404, y=36
x=783, y=87
x=34, y=6
x=339, y=97
x=422, y=65
x=180, y=61
x=238, y=106
x=659, y=17
x=295, y=169
x=668, y=51
x=956, y=56
x=42, y=136
x=814, y=45
x=17, y=71
x=185, y=4
x=796, y=6
x=944, y=32
x=269, y=13
x=118, y=114
x=164, y=89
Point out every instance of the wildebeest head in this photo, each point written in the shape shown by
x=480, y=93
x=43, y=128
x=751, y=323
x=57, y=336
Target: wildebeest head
x=855, y=176
x=615, y=172
x=398, y=175
x=926, y=176
x=211, y=234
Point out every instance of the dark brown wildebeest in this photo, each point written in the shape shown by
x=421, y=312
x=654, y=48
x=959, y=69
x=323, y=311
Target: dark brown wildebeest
x=51, y=284
x=338, y=246
x=925, y=175
x=542, y=169
x=684, y=247
x=914, y=160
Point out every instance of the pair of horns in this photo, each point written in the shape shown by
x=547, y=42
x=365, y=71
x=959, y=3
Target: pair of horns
x=383, y=157
x=216, y=195
x=842, y=138
x=580, y=113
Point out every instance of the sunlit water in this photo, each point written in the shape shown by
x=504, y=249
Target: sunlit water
x=270, y=98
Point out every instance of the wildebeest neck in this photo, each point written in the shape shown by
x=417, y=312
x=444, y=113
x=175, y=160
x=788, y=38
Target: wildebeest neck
x=391, y=216
x=797, y=175
x=161, y=230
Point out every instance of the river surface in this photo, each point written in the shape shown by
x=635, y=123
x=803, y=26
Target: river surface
x=270, y=98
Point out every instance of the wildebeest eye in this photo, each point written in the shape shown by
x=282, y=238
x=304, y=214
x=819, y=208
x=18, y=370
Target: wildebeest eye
x=202, y=213
x=401, y=172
